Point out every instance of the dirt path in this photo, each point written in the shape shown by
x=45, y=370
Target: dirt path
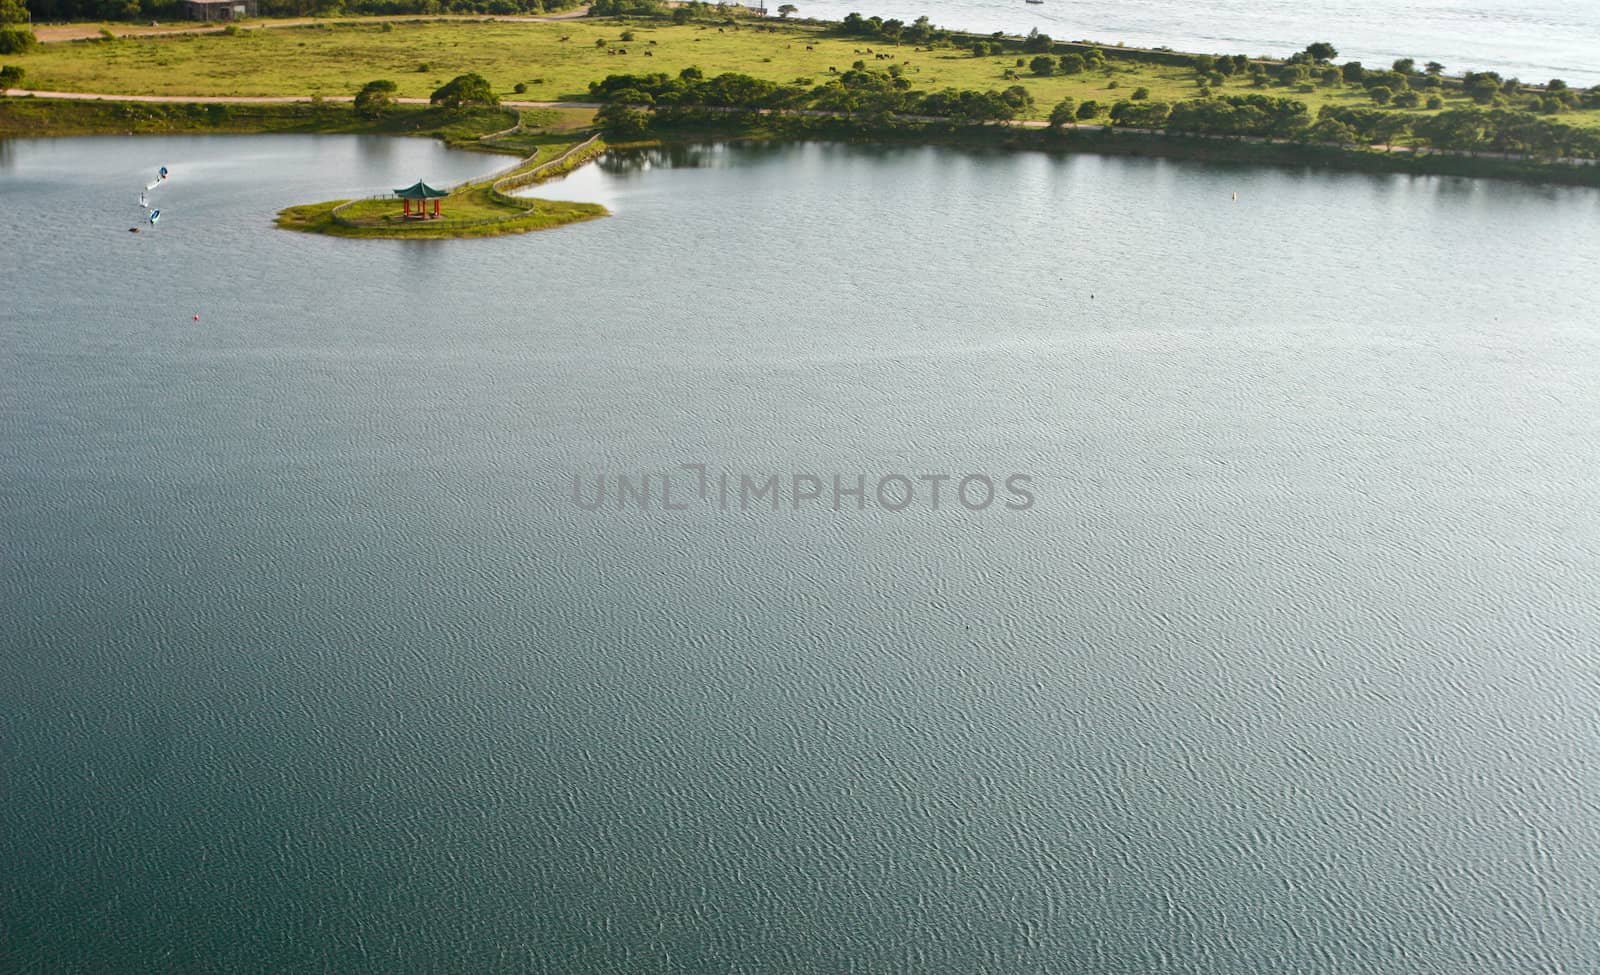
x=89, y=96
x=55, y=33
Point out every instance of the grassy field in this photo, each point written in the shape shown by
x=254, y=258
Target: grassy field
x=556, y=61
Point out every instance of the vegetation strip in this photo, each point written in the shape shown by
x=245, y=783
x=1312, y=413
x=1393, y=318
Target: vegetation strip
x=901, y=81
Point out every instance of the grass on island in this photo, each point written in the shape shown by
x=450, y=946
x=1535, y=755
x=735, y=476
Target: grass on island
x=556, y=61
x=465, y=214
x=553, y=145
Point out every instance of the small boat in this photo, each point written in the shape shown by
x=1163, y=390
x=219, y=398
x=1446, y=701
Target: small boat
x=155, y=215
x=164, y=169
x=1033, y=1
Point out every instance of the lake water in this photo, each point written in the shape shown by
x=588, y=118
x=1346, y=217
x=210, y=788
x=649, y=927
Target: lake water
x=1532, y=39
x=311, y=662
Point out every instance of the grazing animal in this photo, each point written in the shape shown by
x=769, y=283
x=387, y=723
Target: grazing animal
x=810, y=48
x=563, y=39
x=833, y=70
x=649, y=54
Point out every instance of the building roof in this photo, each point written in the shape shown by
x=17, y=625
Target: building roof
x=420, y=191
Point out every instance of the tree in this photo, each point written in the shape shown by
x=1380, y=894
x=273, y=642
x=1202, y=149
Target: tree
x=1064, y=113
x=1043, y=65
x=1380, y=94
x=786, y=9
x=375, y=98
x=1088, y=110
x=1406, y=66
x=16, y=40
x=1332, y=131
x=1407, y=99
x=1322, y=51
x=1353, y=72
x=1072, y=64
x=463, y=91
x=11, y=77
x=622, y=120
x=1481, y=86
x=14, y=12
x=1331, y=77
x=1037, y=43
x=1434, y=68
x=1018, y=99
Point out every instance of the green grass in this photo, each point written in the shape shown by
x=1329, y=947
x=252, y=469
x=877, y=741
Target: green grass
x=330, y=59
x=381, y=218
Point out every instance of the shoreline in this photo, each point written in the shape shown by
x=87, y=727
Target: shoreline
x=1191, y=110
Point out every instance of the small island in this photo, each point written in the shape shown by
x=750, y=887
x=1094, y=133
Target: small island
x=479, y=208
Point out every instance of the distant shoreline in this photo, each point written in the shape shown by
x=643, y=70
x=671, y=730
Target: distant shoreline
x=1151, y=84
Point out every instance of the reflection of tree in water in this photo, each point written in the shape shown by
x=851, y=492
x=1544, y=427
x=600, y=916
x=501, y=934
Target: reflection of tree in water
x=702, y=155
x=8, y=154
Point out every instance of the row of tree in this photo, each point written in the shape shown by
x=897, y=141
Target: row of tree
x=638, y=102
x=1467, y=129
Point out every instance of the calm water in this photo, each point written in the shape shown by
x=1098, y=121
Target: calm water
x=311, y=663
x=1531, y=39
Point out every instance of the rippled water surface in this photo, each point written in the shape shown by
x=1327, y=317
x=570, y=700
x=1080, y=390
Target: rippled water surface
x=311, y=663
x=1532, y=39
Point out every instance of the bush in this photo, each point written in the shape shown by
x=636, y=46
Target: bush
x=520, y=87
x=1434, y=103
x=11, y=77
x=1044, y=65
x=16, y=40
x=1140, y=94
x=1089, y=109
x=463, y=91
x=1407, y=99
x=1072, y=64
x=1380, y=94
x=375, y=98
x=1064, y=113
